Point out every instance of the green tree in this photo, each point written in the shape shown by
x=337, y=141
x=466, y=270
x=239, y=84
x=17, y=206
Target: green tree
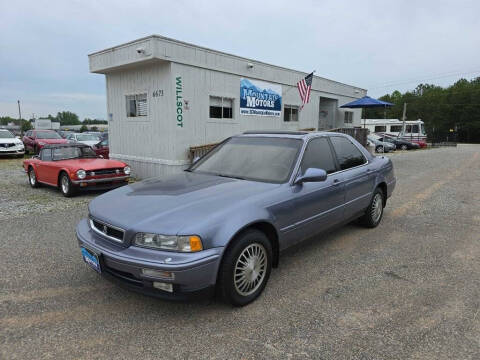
x=84, y=128
x=68, y=118
x=26, y=125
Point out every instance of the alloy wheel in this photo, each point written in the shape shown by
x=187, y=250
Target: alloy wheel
x=250, y=269
x=65, y=184
x=377, y=208
x=33, y=178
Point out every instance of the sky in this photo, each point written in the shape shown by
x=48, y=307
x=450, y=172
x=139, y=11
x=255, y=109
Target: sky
x=381, y=46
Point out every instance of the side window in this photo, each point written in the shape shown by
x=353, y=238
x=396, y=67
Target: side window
x=104, y=142
x=318, y=154
x=348, y=154
x=380, y=128
x=46, y=155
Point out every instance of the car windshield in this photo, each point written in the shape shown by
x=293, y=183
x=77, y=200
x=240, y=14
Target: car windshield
x=266, y=159
x=87, y=137
x=5, y=134
x=74, y=152
x=48, y=135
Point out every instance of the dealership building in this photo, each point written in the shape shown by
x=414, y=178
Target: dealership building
x=165, y=96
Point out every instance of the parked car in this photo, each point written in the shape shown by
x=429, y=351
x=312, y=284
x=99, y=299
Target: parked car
x=400, y=143
x=421, y=143
x=34, y=140
x=224, y=221
x=380, y=146
x=102, y=149
x=65, y=133
x=71, y=167
x=83, y=138
x=10, y=144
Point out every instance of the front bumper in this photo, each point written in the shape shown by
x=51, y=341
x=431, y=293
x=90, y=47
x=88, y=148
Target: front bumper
x=193, y=274
x=12, y=151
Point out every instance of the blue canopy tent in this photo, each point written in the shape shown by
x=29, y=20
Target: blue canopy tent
x=367, y=102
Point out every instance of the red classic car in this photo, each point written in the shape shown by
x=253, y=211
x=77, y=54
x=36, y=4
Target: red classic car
x=34, y=140
x=74, y=166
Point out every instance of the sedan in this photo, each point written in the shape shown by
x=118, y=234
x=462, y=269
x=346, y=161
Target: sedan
x=83, y=138
x=71, y=167
x=380, y=146
x=223, y=223
x=400, y=143
x=34, y=140
x=10, y=144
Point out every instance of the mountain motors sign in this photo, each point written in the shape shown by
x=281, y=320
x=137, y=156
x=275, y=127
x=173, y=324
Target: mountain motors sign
x=260, y=98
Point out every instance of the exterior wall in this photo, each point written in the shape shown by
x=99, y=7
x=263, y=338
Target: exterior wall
x=156, y=145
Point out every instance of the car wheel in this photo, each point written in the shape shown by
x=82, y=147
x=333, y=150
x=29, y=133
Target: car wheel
x=374, y=212
x=404, y=147
x=66, y=186
x=379, y=149
x=32, y=178
x=245, y=268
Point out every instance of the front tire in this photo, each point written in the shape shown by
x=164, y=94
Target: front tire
x=374, y=212
x=66, y=186
x=32, y=178
x=245, y=268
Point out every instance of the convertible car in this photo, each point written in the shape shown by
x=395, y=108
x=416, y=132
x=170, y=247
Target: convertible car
x=223, y=222
x=74, y=166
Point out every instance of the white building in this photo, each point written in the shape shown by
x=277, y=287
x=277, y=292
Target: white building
x=164, y=96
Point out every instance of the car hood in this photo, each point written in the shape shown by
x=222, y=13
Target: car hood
x=10, y=141
x=52, y=141
x=167, y=205
x=92, y=164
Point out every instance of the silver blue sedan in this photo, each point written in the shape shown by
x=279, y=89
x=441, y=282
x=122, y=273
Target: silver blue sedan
x=223, y=223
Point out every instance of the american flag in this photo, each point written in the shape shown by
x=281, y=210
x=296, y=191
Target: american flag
x=304, y=88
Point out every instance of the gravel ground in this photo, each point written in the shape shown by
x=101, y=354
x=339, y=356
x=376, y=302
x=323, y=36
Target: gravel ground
x=408, y=289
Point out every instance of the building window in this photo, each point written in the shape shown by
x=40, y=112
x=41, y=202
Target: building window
x=290, y=113
x=348, y=119
x=136, y=105
x=221, y=108
x=380, y=128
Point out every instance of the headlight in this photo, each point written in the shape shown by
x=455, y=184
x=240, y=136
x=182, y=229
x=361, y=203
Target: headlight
x=126, y=170
x=191, y=243
x=81, y=174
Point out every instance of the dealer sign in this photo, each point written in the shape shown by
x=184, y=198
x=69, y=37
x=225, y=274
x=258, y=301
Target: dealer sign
x=260, y=98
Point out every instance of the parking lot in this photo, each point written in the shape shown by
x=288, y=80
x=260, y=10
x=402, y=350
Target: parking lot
x=409, y=288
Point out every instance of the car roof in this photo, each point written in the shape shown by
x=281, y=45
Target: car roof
x=289, y=134
x=55, y=146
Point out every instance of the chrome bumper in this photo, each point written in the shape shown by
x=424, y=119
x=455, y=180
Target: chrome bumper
x=116, y=178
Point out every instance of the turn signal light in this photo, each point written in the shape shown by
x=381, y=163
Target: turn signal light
x=195, y=243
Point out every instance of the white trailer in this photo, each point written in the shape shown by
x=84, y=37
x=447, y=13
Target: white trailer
x=414, y=129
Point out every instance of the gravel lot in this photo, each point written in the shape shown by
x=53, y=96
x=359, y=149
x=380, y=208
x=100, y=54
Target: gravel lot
x=409, y=289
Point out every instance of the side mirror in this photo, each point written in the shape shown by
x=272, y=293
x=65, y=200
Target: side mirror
x=312, y=175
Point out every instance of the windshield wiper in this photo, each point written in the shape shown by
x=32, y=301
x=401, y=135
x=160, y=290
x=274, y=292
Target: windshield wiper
x=231, y=176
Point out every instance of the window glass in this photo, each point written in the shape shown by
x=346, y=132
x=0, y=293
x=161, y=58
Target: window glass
x=380, y=128
x=348, y=118
x=136, y=105
x=104, y=143
x=221, y=108
x=48, y=135
x=348, y=154
x=318, y=154
x=290, y=113
x=5, y=134
x=252, y=158
x=396, y=128
x=46, y=155
x=414, y=129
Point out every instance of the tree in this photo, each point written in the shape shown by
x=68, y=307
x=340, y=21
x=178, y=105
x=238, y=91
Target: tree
x=26, y=125
x=84, y=128
x=68, y=118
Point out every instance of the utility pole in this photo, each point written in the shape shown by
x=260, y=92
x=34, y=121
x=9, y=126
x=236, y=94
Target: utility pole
x=404, y=117
x=19, y=112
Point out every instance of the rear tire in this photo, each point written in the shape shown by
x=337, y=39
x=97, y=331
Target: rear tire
x=32, y=178
x=245, y=268
x=379, y=149
x=374, y=212
x=66, y=186
x=404, y=147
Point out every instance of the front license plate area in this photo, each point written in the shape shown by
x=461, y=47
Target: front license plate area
x=91, y=259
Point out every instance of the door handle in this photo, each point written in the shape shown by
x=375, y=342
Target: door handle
x=336, y=182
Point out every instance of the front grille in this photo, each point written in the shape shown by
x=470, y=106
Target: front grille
x=109, y=231
x=7, y=145
x=104, y=172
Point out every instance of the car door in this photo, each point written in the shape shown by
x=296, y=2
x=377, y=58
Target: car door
x=44, y=157
x=28, y=141
x=358, y=173
x=317, y=205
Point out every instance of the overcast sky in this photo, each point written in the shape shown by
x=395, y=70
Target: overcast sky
x=377, y=45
